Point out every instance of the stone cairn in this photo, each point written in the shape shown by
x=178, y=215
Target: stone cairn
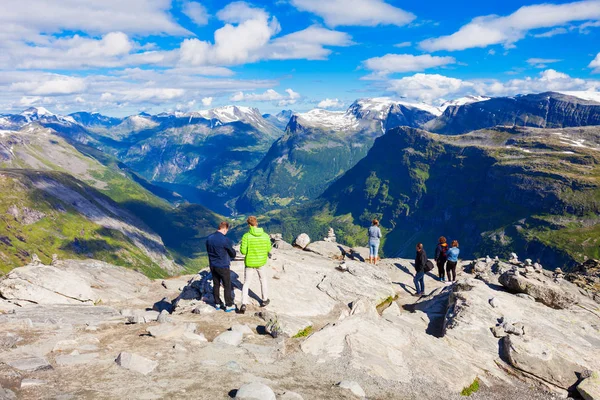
x=330, y=236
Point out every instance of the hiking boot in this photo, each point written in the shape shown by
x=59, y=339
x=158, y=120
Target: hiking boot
x=265, y=303
x=242, y=309
x=230, y=309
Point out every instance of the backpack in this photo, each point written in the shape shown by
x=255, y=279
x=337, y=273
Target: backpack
x=444, y=252
x=428, y=266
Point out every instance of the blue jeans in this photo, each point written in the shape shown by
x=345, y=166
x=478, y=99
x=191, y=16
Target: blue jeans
x=420, y=282
x=373, y=250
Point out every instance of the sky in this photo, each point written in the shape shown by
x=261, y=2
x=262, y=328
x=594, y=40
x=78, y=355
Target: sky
x=122, y=57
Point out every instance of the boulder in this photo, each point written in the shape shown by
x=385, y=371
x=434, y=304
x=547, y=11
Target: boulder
x=30, y=364
x=328, y=249
x=7, y=394
x=255, y=391
x=494, y=302
x=26, y=383
x=243, y=329
x=168, y=330
x=302, y=241
x=540, y=360
x=134, y=362
x=353, y=387
x=204, y=309
x=163, y=317
x=589, y=388
x=231, y=338
x=543, y=291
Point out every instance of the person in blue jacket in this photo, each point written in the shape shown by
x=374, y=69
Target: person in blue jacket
x=220, y=252
x=453, y=253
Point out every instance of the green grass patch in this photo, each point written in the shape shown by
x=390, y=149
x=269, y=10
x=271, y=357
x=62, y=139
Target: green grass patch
x=471, y=389
x=304, y=332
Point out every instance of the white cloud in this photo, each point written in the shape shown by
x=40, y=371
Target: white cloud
x=269, y=95
x=207, y=101
x=403, y=44
x=595, y=64
x=307, y=44
x=355, y=12
x=552, y=32
x=331, y=103
x=49, y=85
x=28, y=18
x=434, y=88
x=493, y=29
x=542, y=62
x=239, y=12
x=398, y=63
x=196, y=12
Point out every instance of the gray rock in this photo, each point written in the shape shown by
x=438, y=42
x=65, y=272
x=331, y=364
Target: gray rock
x=134, y=362
x=494, y=302
x=540, y=360
x=180, y=348
x=255, y=391
x=195, y=338
x=204, y=309
x=353, y=387
x=231, y=338
x=525, y=296
x=163, y=317
x=7, y=394
x=9, y=340
x=244, y=329
x=75, y=359
x=30, y=364
x=498, y=331
x=589, y=388
x=168, y=330
x=545, y=292
x=302, y=241
x=26, y=383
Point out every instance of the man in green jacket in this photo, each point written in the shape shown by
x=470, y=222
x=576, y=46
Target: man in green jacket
x=256, y=246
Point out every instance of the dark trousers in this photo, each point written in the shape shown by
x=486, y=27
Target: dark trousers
x=451, y=270
x=441, y=263
x=222, y=276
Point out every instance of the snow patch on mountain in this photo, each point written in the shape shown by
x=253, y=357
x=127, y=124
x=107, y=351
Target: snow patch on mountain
x=584, y=95
x=334, y=120
x=462, y=101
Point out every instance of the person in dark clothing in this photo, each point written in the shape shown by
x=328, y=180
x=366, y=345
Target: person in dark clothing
x=420, y=262
x=441, y=257
x=220, y=252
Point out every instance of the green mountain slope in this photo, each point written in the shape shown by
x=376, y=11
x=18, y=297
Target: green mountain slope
x=533, y=191
x=90, y=206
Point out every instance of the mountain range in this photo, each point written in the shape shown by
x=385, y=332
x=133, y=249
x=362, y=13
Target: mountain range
x=502, y=174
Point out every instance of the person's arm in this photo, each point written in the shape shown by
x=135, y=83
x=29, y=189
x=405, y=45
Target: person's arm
x=437, y=252
x=378, y=233
x=244, y=245
x=269, y=244
x=230, y=249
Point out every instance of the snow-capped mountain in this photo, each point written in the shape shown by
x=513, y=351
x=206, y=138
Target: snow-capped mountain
x=461, y=102
x=95, y=119
x=281, y=119
x=584, y=95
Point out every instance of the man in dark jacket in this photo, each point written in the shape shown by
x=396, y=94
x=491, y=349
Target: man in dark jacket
x=420, y=263
x=220, y=252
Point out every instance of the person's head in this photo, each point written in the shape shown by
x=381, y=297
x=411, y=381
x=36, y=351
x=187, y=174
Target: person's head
x=455, y=243
x=224, y=227
x=419, y=246
x=375, y=222
x=442, y=240
x=252, y=221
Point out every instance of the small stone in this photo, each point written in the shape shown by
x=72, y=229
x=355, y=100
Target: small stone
x=231, y=338
x=528, y=262
x=134, y=362
x=168, y=330
x=498, y=331
x=353, y=387
x=180, y=348
x=255, y=391
x=25, y=383
x=494, y=302
x=302, y=241
x=64, y=345
x=30, y=364
x=203, y=309
x=163, y=317
x=244, y=329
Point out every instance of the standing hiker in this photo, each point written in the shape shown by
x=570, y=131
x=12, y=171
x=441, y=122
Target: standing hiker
x=256, y=246
x=453, y=253
x=220, y=252
x=374, y=241
x=420, y=264
x=441, y=256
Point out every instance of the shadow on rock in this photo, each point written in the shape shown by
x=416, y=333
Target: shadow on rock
x=434, y=306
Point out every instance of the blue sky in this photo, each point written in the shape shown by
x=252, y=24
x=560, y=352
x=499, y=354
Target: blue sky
x=122, y=57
